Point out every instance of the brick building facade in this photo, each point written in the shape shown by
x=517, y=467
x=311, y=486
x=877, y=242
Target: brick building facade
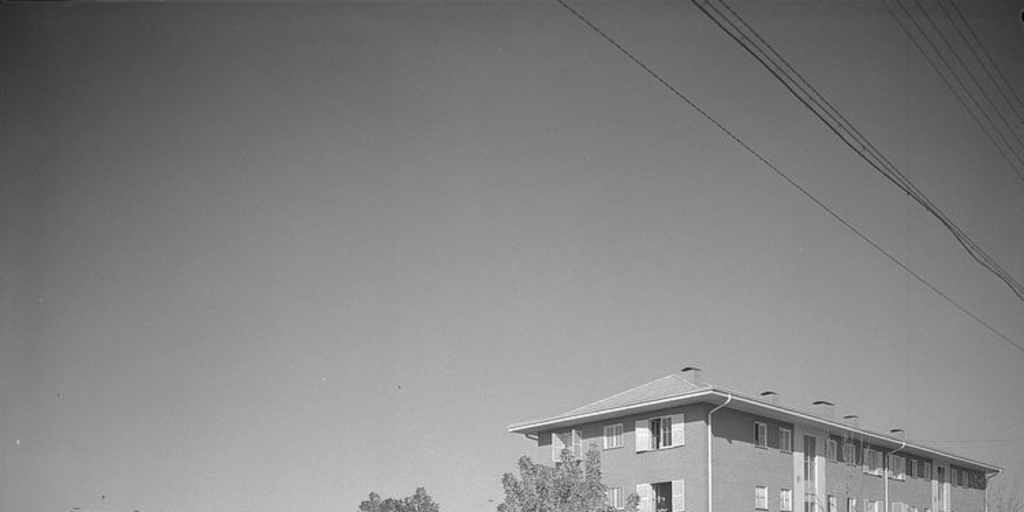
x=757, y=456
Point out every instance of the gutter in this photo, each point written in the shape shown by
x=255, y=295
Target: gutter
x=727, y=400
x=885, y=473
x=987, y=479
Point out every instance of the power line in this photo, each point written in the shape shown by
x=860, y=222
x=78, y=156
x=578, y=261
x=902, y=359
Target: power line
x=953, y=89
x=778, y=171
x=974, y=79
x=1002, y=85
x=813, y=100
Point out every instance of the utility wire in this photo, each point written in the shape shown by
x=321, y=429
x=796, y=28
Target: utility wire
x=779, y=172
x=1002, y=85
x=839, y=125
x=954, y=90
x=974, y=79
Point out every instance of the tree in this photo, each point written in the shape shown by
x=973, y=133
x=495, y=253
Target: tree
x=420, y=501
x=1005, y=496
x=571, y=486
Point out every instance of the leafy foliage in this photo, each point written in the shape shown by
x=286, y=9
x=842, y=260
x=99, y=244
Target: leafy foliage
x=420, y=501
x=571, y=486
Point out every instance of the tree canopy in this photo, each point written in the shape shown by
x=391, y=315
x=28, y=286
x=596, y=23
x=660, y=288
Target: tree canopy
x=573, y=485
x=420, y=501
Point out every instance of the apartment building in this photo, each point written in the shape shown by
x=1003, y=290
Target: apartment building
x=684, y=445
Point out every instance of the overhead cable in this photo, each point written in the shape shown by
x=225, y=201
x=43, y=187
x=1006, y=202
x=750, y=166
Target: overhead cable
x=838, y=124
x=676, y=92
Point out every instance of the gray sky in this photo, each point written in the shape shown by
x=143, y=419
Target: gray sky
x=274, y=257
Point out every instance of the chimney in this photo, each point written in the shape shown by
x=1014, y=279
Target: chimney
x=771, y=397
x=826, y=409
x=852, y=420
x=692, y=374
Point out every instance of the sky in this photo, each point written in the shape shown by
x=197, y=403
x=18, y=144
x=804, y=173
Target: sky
x=275, y=256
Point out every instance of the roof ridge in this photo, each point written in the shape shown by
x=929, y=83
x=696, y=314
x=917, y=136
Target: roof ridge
x=635, y=389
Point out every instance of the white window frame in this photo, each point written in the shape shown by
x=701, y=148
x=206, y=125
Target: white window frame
x=786, y=500
x=785, y=440
x=896, y=467
x=832, y=450
x=851, y=504
x=833, y=504
x=760, y=434
x=873, y=462
x=559, y=443
x=613, y=497
x=671, y=427
x=613, y=436
x=849, y=453
x=761, y=497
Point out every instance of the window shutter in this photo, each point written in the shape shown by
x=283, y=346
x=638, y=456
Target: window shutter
x=577, y=443
x=678, y=430
x=557, y=445
x=678, y=494
x=643, y=438
x=644, y=492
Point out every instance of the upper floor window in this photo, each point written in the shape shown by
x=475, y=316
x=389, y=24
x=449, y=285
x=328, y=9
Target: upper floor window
x=761, y=497
x=571, y=440
x=912, y=471
x=831, y=449
x=613, y=436
x=897, y=468
x=785, y=440
x=658, y=433
x=849, y=453
x=760, y=434
x=926, y=470
x=872, y=461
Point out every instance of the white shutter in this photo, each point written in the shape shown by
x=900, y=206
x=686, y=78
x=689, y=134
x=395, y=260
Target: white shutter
x=644, y=492
x=678, y=494
x=643, y=437
x=678, y=430
x=577, y=443
x=557, y=445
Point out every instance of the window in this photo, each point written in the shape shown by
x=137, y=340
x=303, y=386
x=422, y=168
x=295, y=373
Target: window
x=849, y=453
x=872, y=506
x=926, y=471
x=613, y=437
x=912, y=472
x=572, y=440
x=785, y=440
x=661, y=497
x=872, y=462
x=897, y=507
x=832, y=448
x=851, y=504
x=786, y=500
x=613, y=497
x=959, y=475
x=832, y=505
x=760, y=435
x=954, y=478
x=658, y=433
x=761, y=497
x=897, y=468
